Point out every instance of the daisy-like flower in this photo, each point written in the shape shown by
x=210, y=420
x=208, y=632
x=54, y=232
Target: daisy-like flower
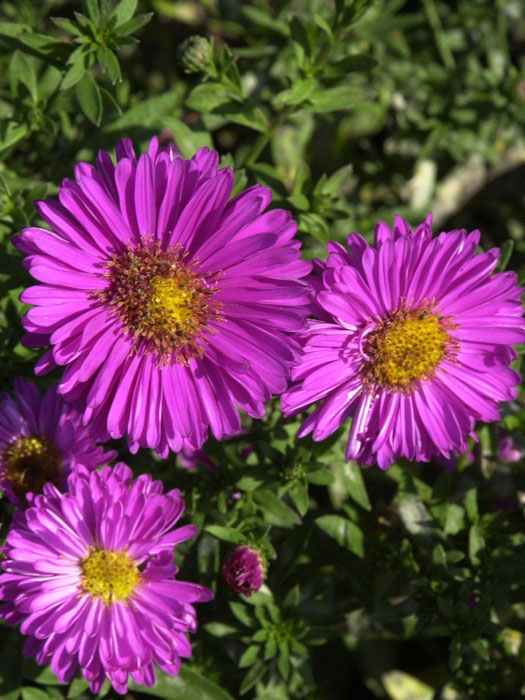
x=169, y=303
x=89, y=574
x=41, y=440
x=412, y=340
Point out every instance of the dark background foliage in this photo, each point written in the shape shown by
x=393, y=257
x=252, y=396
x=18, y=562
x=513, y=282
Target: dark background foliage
x=408, y=584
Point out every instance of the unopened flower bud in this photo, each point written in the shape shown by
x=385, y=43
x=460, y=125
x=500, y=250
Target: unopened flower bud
x=244, y=570
x=196, y=54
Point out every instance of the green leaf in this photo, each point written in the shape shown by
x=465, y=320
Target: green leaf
x=67, y=25
x=40, y=674
x=476, y=543
x=401, y=686
x=74, y=74
x=344, y=532
x=355, y=486
x=208, y=96
x=250, y=656
x=219, y=629
x=77, y=687
x=275, y=511
x=454, y=520
x=226, y=534
x=89, y=98
x=124, y=11
x=108, y=59
x=31, y=693
x=261, y=18
x=22, y=69
x=295, y=95
x=11, y=133
x=188, y=685
x=321, y=477
x=299, y=495
x=242, y=613
x=342, y=97
x=471, y=504
x=251, y=678
x=92, y=10
x=133, y=25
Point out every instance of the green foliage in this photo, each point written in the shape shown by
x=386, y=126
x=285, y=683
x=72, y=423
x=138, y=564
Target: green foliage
x=404, y=584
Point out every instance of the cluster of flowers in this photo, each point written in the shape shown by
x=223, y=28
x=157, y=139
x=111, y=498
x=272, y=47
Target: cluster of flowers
x=171, y=305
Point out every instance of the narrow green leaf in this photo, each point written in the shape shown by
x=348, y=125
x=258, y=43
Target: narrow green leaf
x=124, y=11
x=67, y=25
x=188, y=685
x=226, y=534
x=89, y=98
x=342, y=97
x=22, y=69
x=402, y=686
x=11, y=133
x=355, y=486
x=344, y=532
x=275, y=511
x=471, y=504
x=251, y=678
x=133, y=25
x=73, y=75
x=295, y=95
x=92, y=10
x=250, y=656
x=31, y=693
x=476, y=543
x=208, y=96
x=242, y=613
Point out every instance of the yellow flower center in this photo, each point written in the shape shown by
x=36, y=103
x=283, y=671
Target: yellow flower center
x=110, y=576
x=404, y=348
x=171, y=302
x=31, y=462
x=165, y=302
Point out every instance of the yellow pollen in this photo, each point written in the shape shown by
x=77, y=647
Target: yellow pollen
x=171, y=302
x=406, y=347
x=110, y=576
x=31, y=462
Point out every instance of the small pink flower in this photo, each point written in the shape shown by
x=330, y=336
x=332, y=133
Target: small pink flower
x=508, y=450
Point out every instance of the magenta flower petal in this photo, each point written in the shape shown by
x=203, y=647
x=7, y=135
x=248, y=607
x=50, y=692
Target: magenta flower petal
x=169, y=304
x=42, y=440
x=89, y=575
x=413, y=342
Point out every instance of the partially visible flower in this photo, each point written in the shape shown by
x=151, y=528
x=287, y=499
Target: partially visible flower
x=412, y=339
x=244, y=570
x=509, y=450
x=169, y=304
x=89, y=574
x=42, y=440
x=192, y=458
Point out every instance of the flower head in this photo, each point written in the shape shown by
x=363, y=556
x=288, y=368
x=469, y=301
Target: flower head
x=412, y=339
x=89, y=574
x=42, y=440
x=509, y=450
x=244, y=570
x=169, y=303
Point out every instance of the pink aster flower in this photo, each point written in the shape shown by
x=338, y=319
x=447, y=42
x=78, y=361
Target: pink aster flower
x=412, y=339
x=89, y=575
x=244, y=570
x=169, y=304
x=509, y=450
x=41, y=440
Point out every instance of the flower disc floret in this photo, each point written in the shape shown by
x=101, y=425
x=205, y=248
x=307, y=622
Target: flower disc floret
x=164, y=302
x=411, y=339
x=41, y=441
x=110, y=576
x=404, y=348
x=89, y=576
x=169, y=303
x=30, y=462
